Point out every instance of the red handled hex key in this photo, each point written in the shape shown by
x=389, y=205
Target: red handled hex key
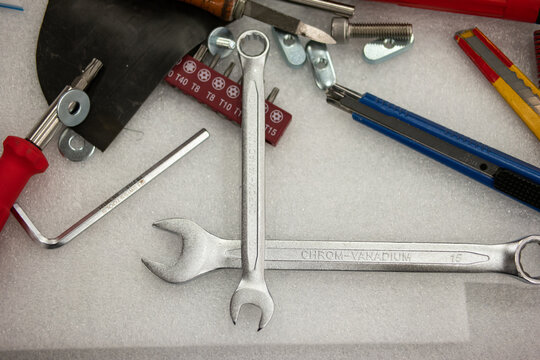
x=23, y=158
x=114, y=201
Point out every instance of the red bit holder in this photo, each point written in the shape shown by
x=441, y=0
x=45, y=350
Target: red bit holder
x=537, y=52
x=223, y=95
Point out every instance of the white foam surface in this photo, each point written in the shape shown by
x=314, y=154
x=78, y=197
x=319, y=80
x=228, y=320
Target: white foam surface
x=330, y=178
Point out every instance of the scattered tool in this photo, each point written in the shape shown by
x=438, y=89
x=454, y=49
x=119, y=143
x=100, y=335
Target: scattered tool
x=74, y=147
x=321, y=64
x=252, y=288
x=203, y=252
x=221, y=42
x=290, y=47
x=335, y=7
x=520, y=10
x=381, y=50
x=112, y=202
x=23, y=158
x=234, y=9
x=486, y=165
x=221, y=94
x=342, y=30
x=518, y=91
x=537, y=53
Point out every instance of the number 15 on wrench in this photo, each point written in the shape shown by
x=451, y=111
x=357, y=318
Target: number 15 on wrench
x=203, y=252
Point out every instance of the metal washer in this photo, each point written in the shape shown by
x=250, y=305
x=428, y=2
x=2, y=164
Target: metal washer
x=69, y=116
x=67, y=147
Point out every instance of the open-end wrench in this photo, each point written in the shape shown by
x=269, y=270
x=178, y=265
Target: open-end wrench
x=203, y=252
x=252, y=288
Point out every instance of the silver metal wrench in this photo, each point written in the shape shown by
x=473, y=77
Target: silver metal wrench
x=252, y=288
x=203, y=252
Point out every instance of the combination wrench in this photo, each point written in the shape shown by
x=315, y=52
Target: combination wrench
x=252, y=288
x=203, y=252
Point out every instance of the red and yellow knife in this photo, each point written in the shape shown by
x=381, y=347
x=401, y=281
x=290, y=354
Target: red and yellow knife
x=518, y=91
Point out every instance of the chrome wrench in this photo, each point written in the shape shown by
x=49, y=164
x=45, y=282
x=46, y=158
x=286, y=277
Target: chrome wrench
x=252, y=288
x=204, y=252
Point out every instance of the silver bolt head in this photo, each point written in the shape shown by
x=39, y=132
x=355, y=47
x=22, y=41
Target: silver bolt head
x=226, y=43
x=340, y=29
x=223, y=34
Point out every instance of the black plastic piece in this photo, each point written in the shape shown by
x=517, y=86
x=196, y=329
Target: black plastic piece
x=138, y=42
x=517, y=186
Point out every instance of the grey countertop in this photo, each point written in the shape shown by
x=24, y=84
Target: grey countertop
x=330, y=178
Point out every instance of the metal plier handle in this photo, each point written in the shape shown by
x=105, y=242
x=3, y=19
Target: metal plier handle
x=484, y=164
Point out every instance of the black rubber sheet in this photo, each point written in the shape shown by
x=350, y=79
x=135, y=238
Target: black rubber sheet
x=138, y=41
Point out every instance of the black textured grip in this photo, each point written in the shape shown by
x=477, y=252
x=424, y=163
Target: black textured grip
x=517, y=186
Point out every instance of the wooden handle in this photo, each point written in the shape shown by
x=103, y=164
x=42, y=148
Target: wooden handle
x=220, y=8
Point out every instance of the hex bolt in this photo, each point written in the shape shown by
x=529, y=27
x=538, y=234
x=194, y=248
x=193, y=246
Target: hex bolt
x=342, y=30
x=228, y=71
x=221, y=42
x=273, y=94
x=225, y=43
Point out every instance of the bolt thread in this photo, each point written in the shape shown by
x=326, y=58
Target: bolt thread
x=225, y=43
x=381, y=31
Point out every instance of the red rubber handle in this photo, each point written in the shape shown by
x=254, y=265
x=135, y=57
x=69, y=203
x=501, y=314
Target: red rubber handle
x=520, y=10
x=21, y=159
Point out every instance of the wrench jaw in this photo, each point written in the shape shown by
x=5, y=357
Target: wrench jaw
x=201, y=252
x=162, y=271
x=253, y=292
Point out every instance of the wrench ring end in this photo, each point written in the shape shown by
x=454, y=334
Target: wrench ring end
x=519, y=266
x=253, y=35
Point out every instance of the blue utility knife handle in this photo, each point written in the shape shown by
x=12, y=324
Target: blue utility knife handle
x=515, y=177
